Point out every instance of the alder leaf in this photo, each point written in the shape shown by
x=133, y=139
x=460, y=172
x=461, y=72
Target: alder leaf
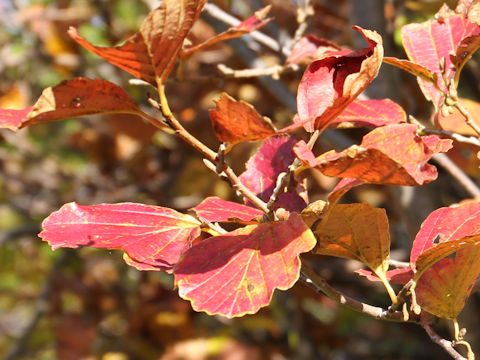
x=392, y=154
x=253, y=23
x=153, y=237
x=151, y=53
x=370, y=113
x=309, y=48
x=427, y=43
x=273, y=157
x=356, y=231
x=237, y=121
x=73, y=98
x=215, y=209
x=331, y=83
x=236, y=273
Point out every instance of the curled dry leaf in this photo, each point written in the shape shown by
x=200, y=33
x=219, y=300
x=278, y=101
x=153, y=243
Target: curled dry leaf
x=237, y=121
x=236, y=273
x=153, y=237
x=392, y=154
x=370, y=113
x=331, y=83
x=73, y=98
x=151, y=53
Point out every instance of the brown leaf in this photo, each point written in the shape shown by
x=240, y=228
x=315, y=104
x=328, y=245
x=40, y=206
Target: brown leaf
x=151, y=53
x=237, y=121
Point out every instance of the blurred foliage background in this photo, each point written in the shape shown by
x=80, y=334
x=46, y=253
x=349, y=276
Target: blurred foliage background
x=88, y=304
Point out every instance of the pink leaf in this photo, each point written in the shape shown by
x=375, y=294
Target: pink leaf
x=153, y=237
x=214, y=209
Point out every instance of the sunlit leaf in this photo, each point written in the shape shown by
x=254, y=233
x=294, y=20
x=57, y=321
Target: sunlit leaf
x=331, y=83
x=445, y=224
x=236, y=273
x=152, y=236
x=413, y=68
x=151, y=53
x=356, y=231
x=237, y=121
x=444, y=287
x=392, y=154
x=456, y=122
x=214, y=209
x=434, y=41
x=370, y=113
x=72, y=98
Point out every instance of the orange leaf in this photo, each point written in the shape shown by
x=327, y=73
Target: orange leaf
x=392, y=154
x=356, y=231
x=151, y=53
x=237, y=121
x=236, y=273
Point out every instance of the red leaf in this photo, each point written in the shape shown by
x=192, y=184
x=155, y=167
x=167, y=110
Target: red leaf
x=214, y=209
x=429, y=42
x=253, y=23
x=392, y=154
x=236, y=273
x=309, y=48
x=272, y=158
x=237, y=121
x=343, y=186
x=12, y=119
x=370, y=113
x=397, y=276
x=152, y=52
x=153, y=237
x=445, y=224
x=331, y=83
x=73, y=98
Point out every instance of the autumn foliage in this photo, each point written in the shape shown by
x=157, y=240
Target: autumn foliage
x=227, y=258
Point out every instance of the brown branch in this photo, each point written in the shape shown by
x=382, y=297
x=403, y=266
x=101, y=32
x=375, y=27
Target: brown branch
x=320, y=285
x=459, y=175
x=445, y=344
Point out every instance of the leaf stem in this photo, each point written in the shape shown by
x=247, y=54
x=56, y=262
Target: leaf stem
x=445, y=344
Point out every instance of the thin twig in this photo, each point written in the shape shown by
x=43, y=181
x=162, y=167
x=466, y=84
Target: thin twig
x=399, y=264
x=455, y=136
x=217, y=13
x=467, y=183
x=445, y=344
x=209, y=154
x=273, y=71
x=320, y=285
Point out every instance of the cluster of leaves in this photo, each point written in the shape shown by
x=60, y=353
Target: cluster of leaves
x=233, y=273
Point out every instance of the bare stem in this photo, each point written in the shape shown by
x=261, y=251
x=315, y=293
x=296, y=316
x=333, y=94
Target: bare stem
x=445, y=344
x=208, y=153
x=467, y=183
x=320, y=285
